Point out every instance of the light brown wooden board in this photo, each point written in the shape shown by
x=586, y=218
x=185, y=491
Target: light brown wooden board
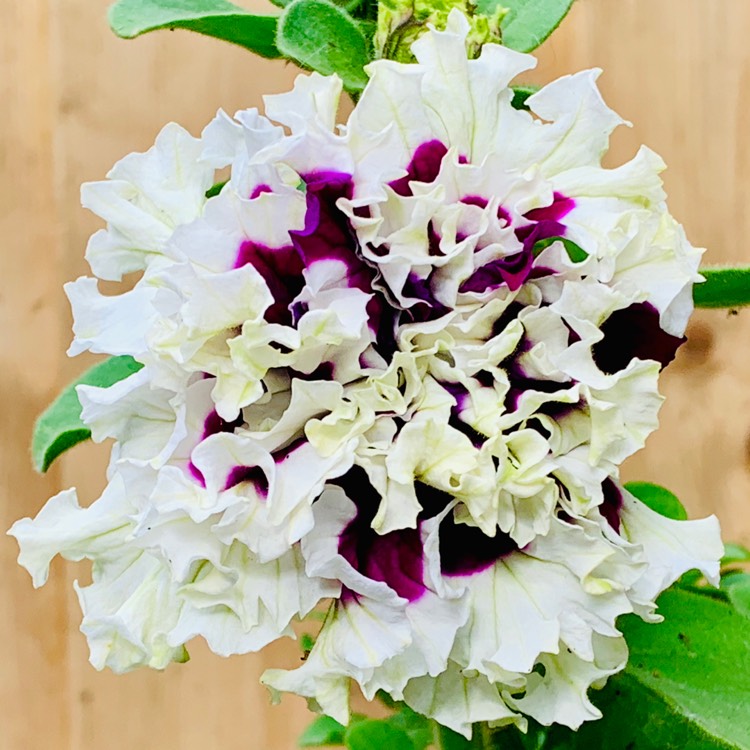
x=75, y=99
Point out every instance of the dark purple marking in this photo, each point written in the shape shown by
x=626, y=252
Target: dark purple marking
x=282, y=454
x=535, y=424
x=327, y=234
x=476, y=437
x=485, y=378
x=396, y=558
x=387, y=321
x=520, y=382
x=281, y=269
x=542, y=230
x=324, y=371
x=433, y=241
x=213, y=425
x=475, y=200
x=560, y=207
x=634, y=332
x=478, y=200
x=612, y=504
x=461, y=394
x=510, y=314
x=464, y=550
x=379, y=250
x=197, y=474
x=428, y=307
x=254, y=474
x=515, y=270
x=541, y=272
x=283, y=348
x=423, y=167
x=298, y=309
x=259, y=190
x=573, y=337
x=546, y=221
x=559, y=409
x=512, y=270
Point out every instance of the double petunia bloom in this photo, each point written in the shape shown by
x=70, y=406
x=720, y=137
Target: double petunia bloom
x=390, y=371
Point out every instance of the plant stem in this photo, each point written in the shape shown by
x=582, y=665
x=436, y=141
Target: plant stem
x=485, y=737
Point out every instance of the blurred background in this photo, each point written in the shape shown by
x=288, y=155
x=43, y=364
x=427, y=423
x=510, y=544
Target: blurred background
x=75, y=99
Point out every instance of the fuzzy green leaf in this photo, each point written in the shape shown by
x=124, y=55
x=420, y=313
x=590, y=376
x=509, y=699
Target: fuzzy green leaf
x=528, y=22
x=723, y=287
x=659, y=499
x=59, y=428
x=323, y=37
x=685, y=686
x=323, y=731
x=372, y=734
x=216, y=18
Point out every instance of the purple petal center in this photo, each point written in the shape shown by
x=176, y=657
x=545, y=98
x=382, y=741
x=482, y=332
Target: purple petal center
x=397, y=558
x=464, y=550
x=634, y=332
x=281, y=269
x=423, y=167
x=612, y=504
x=515, y=269
x=213, y=425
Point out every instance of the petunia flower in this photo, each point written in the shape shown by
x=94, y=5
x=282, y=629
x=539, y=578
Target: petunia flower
x=390, y=369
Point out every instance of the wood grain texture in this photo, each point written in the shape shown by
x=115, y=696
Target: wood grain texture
x=75, y=99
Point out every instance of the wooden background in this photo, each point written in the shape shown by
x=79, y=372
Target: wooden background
x=74, y=99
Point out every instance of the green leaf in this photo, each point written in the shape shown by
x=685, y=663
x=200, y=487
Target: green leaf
x=306, y=642
x=737, y=588
x=323, y=731
x=59, y=427
x=528, y=22
x=521, y=94
x=215, y=189
x=735, y=553
x=217, y=18
x=372, y=734
x=723, y=287
x=450, y=740
x=575, y=252
x=321, y=36
x=659, y=499
x=685, y=687
x=416, y=726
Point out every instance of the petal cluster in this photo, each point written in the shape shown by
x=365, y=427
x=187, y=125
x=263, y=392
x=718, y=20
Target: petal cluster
x=390, y=371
